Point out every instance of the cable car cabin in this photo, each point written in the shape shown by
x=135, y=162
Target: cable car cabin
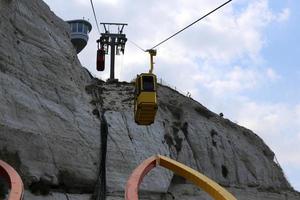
x=100, y=59
x=145, y=105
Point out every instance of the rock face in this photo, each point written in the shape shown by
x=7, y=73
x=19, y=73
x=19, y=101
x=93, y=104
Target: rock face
x=47, y=130
x=185, y=130
x=53, y=114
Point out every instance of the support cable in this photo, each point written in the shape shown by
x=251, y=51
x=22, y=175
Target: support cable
x=136, y=45
x=95, y=17
x=165, y=40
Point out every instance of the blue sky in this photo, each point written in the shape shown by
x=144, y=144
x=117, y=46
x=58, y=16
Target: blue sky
x=242, y=61
x=281, y=53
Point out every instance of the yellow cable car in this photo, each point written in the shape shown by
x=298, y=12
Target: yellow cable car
x=145, y=105
x=145, y=102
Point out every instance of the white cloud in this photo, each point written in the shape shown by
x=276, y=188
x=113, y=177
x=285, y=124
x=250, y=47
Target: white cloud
x=212, y=45
x=284, y=15
x=225, y=37
x=277, y=124
x=87, y=2
x=272, y=74
x=267, y=119
x=82, y=2
x=224, y=81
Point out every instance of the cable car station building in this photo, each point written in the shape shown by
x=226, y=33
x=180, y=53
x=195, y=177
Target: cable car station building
x=80, y=29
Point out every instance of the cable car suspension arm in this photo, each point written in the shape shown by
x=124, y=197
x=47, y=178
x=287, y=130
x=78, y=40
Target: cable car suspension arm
x=152, y=53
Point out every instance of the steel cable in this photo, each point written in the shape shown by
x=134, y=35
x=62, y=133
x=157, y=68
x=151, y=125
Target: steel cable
x=165, y=40
x=95, y=17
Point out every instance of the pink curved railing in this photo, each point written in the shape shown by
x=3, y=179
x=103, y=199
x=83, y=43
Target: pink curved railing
x=137, y=176
x=208, y=185
x=13, y=179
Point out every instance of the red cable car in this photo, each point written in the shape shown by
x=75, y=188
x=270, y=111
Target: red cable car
x=101, y=59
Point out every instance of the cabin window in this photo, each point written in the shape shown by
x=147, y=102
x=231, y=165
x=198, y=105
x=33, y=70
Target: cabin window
x=74, y=27
x=80, y=27
x=85, y=29
x=148, y=83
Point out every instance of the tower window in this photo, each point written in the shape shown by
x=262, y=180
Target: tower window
x=74, y=27
x=80, y=27
x=85, y=29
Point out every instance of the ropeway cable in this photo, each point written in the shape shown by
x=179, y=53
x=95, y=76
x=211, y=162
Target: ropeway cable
x=95, y=17
x=136, y=45
x=204, y=16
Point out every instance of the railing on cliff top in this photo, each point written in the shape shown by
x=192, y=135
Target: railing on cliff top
x=161, y=82
x=164, y=83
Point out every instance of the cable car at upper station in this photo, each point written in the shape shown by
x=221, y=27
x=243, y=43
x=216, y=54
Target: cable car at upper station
x=100, y=62
x=100, y=59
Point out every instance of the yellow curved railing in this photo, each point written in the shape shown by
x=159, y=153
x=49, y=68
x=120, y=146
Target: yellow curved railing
x=202, y=181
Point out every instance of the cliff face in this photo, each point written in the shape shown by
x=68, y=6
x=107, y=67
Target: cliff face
x=47, y=131
x=52, y=116
x=185, y=130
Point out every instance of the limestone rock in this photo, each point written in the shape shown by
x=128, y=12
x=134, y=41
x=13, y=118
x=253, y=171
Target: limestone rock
x=47, y=129
x=57, y=196
x=185, y=130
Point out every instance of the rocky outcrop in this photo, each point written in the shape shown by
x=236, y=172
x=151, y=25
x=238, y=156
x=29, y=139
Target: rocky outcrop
x=185, y=130
x=53, y=116
x=47, y=129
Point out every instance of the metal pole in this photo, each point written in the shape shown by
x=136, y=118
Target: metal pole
x=152, y=53
x=113, y=41
x=112, y=58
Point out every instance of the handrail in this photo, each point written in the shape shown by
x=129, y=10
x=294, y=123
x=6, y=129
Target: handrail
x=202, y=181
x=14, y=181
